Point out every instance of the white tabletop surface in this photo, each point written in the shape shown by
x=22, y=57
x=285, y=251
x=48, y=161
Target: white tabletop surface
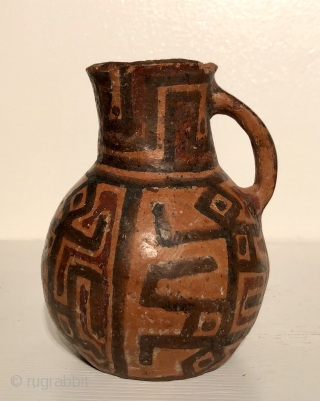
x=279, y=360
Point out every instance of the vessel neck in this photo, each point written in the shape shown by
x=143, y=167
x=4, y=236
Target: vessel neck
x=153, y=116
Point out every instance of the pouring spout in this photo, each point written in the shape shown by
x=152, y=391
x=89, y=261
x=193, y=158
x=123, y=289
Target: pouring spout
x=209, y=67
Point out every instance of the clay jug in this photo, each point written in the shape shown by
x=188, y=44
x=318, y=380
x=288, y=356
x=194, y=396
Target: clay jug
x=155, y=265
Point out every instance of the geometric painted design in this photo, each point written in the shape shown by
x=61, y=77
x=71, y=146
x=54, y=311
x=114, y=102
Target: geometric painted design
x=80, y=255
x=220, y=204
x=189, y=284
x=251, y=288
x=154, y=267
x=137, y=108
x=203, y=363
x=243, y=252
x=208, y=324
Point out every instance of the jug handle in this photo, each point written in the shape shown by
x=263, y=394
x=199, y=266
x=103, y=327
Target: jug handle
x=265, y=155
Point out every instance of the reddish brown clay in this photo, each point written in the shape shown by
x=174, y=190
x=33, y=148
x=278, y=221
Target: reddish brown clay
x=155, y=264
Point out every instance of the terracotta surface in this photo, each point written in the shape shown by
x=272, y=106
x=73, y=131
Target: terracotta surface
x=155, y=264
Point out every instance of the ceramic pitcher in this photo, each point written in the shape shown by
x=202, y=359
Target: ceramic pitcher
x=155, y=266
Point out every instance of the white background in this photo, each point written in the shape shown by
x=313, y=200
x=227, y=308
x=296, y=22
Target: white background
x=268, y=53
